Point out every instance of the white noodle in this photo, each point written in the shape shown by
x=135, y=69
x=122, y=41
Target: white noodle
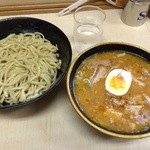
x=28, y=66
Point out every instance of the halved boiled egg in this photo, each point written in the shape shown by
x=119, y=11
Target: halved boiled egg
x=118, y=82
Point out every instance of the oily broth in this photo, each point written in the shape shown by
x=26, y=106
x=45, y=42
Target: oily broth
x=127, y=113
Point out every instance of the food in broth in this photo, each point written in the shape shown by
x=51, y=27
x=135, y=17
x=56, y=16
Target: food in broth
x=118, y=82
x=126, y=110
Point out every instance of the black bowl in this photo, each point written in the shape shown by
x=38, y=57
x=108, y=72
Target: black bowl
x=51, y=32
x=124, y=47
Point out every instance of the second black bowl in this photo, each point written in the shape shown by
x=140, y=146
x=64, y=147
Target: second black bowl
x=106, y=47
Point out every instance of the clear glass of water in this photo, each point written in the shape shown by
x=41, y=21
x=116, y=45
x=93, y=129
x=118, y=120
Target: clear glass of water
x=88, y=26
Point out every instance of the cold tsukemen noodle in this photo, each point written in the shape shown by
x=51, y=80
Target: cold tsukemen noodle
x=28, y=66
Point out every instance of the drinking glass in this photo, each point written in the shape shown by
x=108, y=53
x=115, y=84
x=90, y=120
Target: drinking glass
x=88, y=26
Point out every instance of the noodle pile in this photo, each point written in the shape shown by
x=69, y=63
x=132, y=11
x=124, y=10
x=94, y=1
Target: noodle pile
x=28, y=66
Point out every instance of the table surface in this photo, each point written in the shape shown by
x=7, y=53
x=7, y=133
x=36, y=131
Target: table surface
x=53, y=124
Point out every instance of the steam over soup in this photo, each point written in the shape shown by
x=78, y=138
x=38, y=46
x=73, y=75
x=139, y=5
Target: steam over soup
x=127, y=111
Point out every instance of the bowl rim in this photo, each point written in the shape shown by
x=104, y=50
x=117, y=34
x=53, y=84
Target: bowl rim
x=81, y=114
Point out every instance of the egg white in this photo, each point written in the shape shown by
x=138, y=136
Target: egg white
x=125, y=82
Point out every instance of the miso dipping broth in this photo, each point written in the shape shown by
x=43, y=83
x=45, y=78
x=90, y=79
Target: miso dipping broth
x=113, y=90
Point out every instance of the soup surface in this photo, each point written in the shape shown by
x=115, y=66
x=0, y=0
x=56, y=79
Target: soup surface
x=121, y=113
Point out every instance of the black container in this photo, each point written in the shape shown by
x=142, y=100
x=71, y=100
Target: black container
x=124, y=47
x=52, y=33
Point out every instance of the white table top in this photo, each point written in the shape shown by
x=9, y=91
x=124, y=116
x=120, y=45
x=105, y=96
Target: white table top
x=53, y=124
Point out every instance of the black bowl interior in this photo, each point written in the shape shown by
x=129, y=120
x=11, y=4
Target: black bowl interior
x=100, y=49
x=51, y=32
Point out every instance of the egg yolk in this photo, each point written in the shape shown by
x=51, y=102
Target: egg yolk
x=117, y=82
